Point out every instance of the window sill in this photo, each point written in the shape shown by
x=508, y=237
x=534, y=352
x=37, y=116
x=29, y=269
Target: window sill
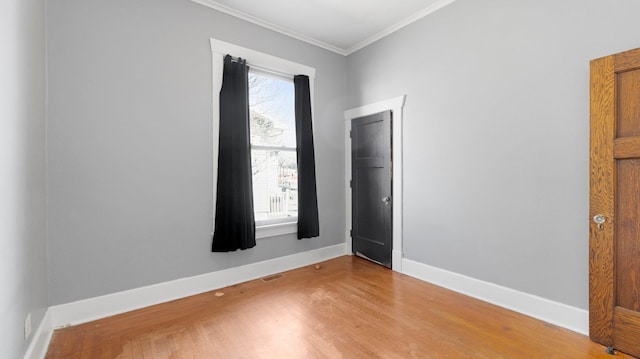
x=273, y=230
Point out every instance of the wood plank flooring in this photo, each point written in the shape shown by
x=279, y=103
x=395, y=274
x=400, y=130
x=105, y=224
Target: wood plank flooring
x=349, y=308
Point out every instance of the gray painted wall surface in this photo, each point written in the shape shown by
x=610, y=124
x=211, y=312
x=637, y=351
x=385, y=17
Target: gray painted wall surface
x=23, y=276
x=129, y=143
x=496, y=134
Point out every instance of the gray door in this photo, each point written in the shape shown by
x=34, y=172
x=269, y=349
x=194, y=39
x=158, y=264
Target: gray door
x=371, y=187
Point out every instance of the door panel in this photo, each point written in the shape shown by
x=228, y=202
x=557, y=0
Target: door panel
x=627, y=234
x=628, y=122
x=370, y=186
x=614, y=261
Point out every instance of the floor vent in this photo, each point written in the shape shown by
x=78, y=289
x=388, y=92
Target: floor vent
x=272, y=277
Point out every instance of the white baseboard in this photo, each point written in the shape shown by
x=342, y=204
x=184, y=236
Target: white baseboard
x=559, y=314
x=111, y=304
x=90, y=309
x=86, y=310
x=41, y=338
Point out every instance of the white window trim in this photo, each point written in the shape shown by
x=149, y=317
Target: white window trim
x=263, y=62
x=273, y=148
x=278, y=229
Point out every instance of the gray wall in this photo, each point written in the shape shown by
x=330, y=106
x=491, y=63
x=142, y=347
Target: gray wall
x=496, y=134
x=496, y=138
x=130, y=144
x=23, y=277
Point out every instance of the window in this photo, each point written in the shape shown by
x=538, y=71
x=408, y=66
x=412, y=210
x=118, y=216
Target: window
x=273, y=148
x=271, y=67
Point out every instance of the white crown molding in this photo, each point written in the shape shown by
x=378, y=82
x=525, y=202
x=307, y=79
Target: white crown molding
x=296, y=35
x=559, y=314
x=252, y=19
x=407, y=21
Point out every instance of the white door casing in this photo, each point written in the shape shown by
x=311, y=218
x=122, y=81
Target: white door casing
x=396, y=105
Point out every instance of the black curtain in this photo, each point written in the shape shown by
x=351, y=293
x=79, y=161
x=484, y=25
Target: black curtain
x=308, y=225
x=234, y=223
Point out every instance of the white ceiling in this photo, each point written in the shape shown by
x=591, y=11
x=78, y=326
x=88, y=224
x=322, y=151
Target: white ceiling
x=342, y=26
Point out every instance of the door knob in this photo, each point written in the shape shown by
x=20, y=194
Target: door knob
x=599, y=219
x=386, y=199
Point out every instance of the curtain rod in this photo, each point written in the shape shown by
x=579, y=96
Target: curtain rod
x=264, y=70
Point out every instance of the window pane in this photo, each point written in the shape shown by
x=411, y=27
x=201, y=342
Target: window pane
x=275, y=177
x=272, y=111
x=275, y=184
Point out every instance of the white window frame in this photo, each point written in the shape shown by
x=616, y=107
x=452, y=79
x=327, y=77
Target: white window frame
x=264, y=63
x=273, y=221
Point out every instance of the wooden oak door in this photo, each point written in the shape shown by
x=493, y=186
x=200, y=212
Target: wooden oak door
x=371, y=187
x=614, y=243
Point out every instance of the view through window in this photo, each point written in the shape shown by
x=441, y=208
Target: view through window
x=273, y=147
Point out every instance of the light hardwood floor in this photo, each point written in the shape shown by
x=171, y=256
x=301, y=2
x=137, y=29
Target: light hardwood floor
x=349, y=308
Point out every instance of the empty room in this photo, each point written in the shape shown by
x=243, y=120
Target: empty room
x=319, y=179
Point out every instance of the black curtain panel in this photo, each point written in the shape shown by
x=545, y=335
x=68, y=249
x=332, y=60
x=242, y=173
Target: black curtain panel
x=308, y=225
x=234, y=223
